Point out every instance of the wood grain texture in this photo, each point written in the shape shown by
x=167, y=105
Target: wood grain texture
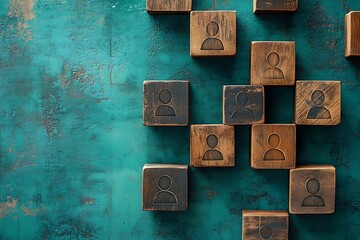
x=275, y=6
x=272, y=63
x=312, y=189
x=260, y=224
x=165, y=187
x=352, y=34
x=212, y=146
x=166, y=6
x=243, y=104
x=166, y=103
x=318, y=103
x=273, y=146
x=212, y=33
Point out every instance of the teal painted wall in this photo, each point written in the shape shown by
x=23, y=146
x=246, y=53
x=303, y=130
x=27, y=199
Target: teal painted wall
x=72, y=144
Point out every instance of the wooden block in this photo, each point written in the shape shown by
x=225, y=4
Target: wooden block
x=166, y=103
x=165, y=187
x=243, y=104
x=352, y=34
x=273, y=146
x=275, y=6
x=257, y=225
x=212, y=146
x=272, y=63
x=318, y=103
x=166, y=6
x=312, y=189
x=212, y=33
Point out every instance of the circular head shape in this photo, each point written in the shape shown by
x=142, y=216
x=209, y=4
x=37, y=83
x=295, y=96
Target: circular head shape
x=164, y=182
x=212, y=140
x=273, y=59
x=312, y=185
x=266, y=232
x=274, y=140
x=212, y=28
x=165, y=96
x=242, y=98
x=318, y=97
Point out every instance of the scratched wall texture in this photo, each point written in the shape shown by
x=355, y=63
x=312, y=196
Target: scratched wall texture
x=72, y=144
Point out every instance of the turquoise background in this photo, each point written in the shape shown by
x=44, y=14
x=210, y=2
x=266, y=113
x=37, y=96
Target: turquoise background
x=72, y=143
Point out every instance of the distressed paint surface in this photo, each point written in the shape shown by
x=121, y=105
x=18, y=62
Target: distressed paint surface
x=72, y=143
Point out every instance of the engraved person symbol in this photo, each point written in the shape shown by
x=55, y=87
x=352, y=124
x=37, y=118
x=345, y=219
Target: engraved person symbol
x=266, y=232
x=212, y=43
x=242, y=109
x=165, y=196
x=312, y=186
x=165, y=110
x=274, y=153
x=212, y=153
x=318, y=111
x=273, y=72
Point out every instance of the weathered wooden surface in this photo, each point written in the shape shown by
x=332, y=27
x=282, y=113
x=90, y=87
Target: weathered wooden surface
x=272, y=63
x=165, y=187
x=243, y=104
x=352, y=34
x=166, y=6
x=212, y=33
x=275, y=6
x=312, y=189
x=318, y=102
x=273, y=146
x=258, y=225
x=212, y=145
x=72, y=142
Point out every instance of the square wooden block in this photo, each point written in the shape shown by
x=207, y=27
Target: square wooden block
x=352, y=34
x=212, y=33
x=273, y=146
x=166, y=6
x=165, y=187
x=212, y=146
x=166, y=103
x=243, y=104
x=272, y=63
x=318, y=103
x=312, y=189
x=275, y=6
x=257, y=225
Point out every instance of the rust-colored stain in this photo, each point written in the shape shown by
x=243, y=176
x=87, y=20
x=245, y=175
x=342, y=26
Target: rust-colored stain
x=8, y=207
x=23, y=11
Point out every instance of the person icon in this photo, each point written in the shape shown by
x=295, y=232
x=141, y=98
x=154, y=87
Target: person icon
x=242, y=110
x=212, y=153
x=318, y=111
x=266, y=232
x=273, y=72
x=165, y=110
x=274, y=153
x=212, y=43
x=165, y=196
x=312, y=186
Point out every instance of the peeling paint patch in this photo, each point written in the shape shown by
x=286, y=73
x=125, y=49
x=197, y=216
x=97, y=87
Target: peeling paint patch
x=23, y=11
x=8, y=207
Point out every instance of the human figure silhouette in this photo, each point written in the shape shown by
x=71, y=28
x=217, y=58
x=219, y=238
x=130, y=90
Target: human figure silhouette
x=165, y=196
x=165, y=110
x=313, y=200
x=318, y=111
x=266, y=232
x=273, y=72
x=274, y=153
x=212, y=153
x=212, y=43
x=242, y=110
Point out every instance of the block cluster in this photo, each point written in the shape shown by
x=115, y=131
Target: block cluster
x=273, y=146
